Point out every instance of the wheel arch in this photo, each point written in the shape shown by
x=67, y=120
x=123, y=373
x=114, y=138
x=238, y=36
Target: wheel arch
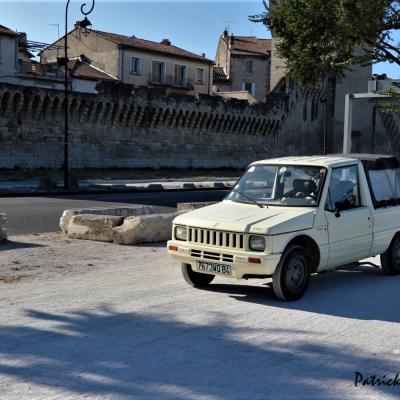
x=311, y=246
x=395, y=235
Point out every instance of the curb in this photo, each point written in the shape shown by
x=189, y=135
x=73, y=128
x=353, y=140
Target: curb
x=118, y=188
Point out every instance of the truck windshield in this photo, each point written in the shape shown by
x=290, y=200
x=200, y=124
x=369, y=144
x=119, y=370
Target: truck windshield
x=280, y=185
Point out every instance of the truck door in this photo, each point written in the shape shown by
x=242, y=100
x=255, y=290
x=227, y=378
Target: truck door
x=349, y=222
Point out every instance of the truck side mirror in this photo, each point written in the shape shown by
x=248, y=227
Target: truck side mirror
x=341, y=205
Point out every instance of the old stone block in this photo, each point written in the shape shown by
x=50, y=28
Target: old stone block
x=3, y=227
x=188, y=186
x=145, y=229
x=93, y=227
x=120, y=211
x=155, y=186
x=46, y=183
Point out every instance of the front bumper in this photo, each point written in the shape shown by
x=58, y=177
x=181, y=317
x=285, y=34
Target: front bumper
x=238, y=260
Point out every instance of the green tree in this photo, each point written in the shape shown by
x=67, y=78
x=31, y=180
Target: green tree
x=318, y=37
x=325, y=38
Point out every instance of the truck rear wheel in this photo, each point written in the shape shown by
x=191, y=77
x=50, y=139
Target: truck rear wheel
x=292, y=275
x=390, y=259
x=195, y=279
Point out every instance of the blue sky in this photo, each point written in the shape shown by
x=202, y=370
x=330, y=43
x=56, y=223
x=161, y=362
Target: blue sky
x=193, y=25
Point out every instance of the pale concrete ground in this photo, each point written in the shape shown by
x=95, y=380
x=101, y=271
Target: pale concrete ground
x=93, y=320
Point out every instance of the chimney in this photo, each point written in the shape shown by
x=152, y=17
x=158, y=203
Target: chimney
x=203, y=55
x=22, y=38
x=226, y=33
x=232, y=40
x=167, y=42
x=77, y=24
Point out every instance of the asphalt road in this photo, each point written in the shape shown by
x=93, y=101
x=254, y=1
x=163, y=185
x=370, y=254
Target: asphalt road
x=90, y=320
x=42, y=214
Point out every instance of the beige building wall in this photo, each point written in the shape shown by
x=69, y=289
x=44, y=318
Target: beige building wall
x=145, y=70
x=222, y=56
x=103, y=53
x=117, y=61
x=259, y=77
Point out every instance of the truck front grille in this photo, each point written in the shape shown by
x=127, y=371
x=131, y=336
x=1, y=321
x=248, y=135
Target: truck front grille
x=208, y=255
x=216, y=238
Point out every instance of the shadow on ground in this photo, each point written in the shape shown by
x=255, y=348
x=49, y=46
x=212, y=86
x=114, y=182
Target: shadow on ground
x=9, y=245
x=363, y=293
x=130, y=355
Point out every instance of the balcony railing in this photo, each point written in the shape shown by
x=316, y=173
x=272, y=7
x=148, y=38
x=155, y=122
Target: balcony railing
x=37, y=69
x=170, y=81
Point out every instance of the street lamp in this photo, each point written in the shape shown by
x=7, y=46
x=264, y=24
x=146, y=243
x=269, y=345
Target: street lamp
x=85, y=23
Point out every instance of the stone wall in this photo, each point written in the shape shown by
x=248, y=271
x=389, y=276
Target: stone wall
x=147, y=128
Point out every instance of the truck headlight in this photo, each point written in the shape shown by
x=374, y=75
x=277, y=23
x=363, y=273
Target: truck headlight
x=180, y=233
x=257, y=243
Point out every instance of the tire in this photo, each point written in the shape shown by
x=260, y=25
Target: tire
x=390, y=259
x=292, y=275
x=196, y=279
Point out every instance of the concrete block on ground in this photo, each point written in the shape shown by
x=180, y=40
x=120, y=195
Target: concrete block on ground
x=73, y=183
x=93, y=227
x=116, y=211
x=155, y=186
x=3, y=227
x=189, y=186
x=145, y=229
x=192, y=206
x=46, y=183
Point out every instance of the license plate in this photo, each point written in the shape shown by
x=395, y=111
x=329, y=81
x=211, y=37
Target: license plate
x=213, y=268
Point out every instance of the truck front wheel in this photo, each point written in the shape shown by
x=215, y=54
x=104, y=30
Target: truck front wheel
x=195, y=279
x=390, y=260
x=292, y=275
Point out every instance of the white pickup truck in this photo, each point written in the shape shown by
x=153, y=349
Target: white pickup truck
x=288, y=218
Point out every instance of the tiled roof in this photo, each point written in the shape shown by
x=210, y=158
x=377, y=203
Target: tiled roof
x=249, y=46
x=219, y=75
x=81, y=69
x=78, y=68
x=7, y=31
x=143, y=44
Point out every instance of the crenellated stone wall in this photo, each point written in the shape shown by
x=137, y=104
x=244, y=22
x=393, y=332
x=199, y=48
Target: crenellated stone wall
x=120, y=127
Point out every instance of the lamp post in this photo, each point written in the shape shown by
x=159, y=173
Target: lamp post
x=83, y=24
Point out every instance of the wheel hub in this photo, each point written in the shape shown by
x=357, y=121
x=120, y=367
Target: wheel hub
x=295, y=274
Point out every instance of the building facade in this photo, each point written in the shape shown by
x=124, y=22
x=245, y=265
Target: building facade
x=140, y=62
x=18, y=67
x=243, y=64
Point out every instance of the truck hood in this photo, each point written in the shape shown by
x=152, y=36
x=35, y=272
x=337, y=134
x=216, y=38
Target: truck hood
x=240, y=217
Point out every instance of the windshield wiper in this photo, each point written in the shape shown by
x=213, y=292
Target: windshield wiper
x=248, y=198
